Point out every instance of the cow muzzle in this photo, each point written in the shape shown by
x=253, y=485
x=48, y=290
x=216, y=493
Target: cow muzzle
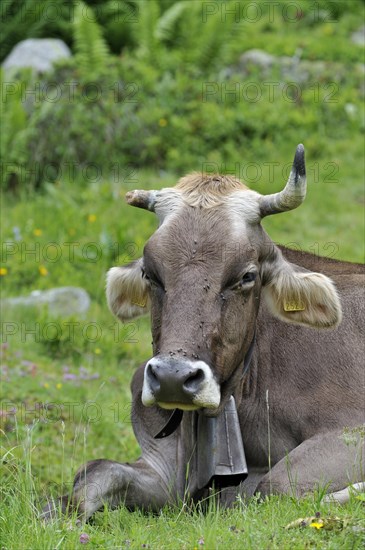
x=179, y=383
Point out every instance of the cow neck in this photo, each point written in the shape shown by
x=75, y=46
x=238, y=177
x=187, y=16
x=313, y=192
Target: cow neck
x=176, y=417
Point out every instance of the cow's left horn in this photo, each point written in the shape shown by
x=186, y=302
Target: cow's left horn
x=293, y=193
x=142, y=199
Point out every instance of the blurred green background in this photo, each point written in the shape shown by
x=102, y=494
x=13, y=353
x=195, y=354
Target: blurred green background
x=153, y=89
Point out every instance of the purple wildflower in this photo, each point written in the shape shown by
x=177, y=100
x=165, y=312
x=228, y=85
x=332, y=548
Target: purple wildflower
x=84, y=538
x=69, y=376
x=10, y=412
x=83, y=373
x=303, y=523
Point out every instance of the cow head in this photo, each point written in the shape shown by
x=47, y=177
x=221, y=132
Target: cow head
x=202, y=275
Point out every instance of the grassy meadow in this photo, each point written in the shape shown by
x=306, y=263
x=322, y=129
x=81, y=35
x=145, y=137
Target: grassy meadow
x=65, y=381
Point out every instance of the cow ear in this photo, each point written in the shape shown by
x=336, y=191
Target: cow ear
x=127, y=291
x=296, y=295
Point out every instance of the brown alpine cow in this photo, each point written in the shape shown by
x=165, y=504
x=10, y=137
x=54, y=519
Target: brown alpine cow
x=250, y=347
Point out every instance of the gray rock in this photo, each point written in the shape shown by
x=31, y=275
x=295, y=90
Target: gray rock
x=287, y=69
x=38, y=53
x=300, y=71
x=358, y=37
x=62, y=301
x=257, y=58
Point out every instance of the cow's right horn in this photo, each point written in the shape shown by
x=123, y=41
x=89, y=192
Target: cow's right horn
x=293, y=193
x=142, y=199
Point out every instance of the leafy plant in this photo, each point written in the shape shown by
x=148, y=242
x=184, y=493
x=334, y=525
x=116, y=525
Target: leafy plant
x=91, y=49
x=14, y=123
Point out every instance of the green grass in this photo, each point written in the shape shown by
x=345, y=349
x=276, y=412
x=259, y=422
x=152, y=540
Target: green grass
x=259, y=524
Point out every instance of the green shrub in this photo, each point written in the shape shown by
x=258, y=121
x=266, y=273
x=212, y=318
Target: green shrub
x=97, y=115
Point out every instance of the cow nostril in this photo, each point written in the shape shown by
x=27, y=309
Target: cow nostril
x=194, y=381
x=152, y=377
x=152, y=370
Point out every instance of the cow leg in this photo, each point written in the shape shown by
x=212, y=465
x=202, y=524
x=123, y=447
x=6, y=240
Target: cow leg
x=325, y=460
x=105, y=482
x=102, y=482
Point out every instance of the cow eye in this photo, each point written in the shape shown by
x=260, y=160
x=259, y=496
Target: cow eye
x=151, y=279
x=144, y=275
x=248, y=277
x=246, y=281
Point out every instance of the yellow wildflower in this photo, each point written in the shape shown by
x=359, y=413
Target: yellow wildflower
x=162, y=122
x=37, y=232
x=98, y=351
x=3, y=271
x=46, y=385
x=59, y=385
x=316, y=524
x=91, y=218
x=43, y=271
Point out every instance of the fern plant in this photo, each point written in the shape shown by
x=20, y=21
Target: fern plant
x=91, y=50
x=148, y=45
x=184, y=36
x=203, y=39
x=14, y=123
x=166, y=26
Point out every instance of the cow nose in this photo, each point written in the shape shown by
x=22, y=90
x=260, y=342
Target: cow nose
x=174, y=381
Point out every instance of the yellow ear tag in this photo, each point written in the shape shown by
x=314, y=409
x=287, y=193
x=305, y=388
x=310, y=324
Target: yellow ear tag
x=141, y=303
x=294, y=306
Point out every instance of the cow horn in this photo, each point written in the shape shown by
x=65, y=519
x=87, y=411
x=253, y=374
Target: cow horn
x=293, y=193
x=142, y=199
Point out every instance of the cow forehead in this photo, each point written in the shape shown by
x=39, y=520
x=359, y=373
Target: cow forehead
x=203, y=238
x=205, y=221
